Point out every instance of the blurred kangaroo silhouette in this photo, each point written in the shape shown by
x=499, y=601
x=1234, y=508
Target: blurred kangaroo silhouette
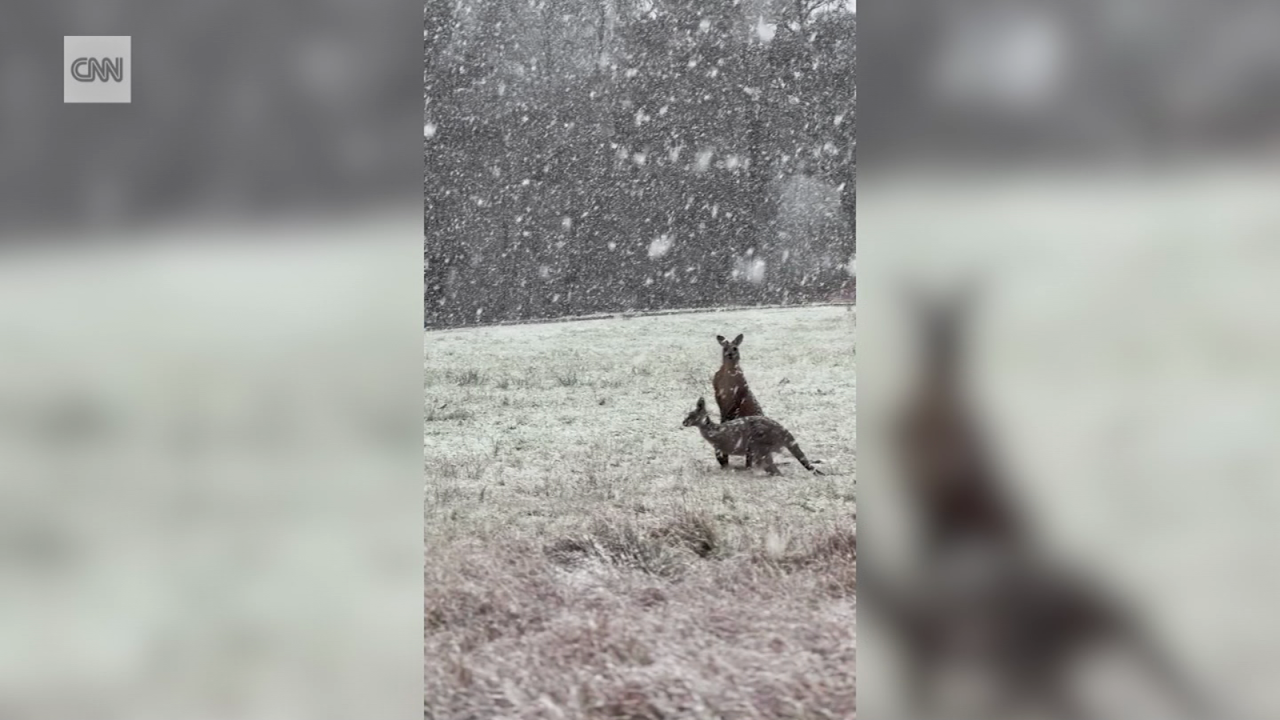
x=948, y=467
x=985, y=598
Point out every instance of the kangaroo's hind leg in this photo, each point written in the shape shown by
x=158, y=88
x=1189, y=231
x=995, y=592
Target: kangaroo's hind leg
x=766, y=461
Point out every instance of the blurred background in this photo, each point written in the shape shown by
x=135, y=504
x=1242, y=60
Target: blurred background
x=1097, y=80
x=1107, y=172
x=589, y=156
x=210, y=364
x=241, y=108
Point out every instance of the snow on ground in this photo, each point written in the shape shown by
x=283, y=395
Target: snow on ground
x=537, y=415
x=587, y=557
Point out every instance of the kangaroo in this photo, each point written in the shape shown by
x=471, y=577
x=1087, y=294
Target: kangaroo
x=732, y=393
x=987, y=598
x=948, y=466
x=756, y=437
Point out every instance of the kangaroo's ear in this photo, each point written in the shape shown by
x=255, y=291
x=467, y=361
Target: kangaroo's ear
x=702, y=403
x=960, y=298
x=720, y=339
x=738, y=340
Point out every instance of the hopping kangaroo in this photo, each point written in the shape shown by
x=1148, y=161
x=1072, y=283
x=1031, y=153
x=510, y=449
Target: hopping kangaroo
x=757, y=437
x=732, y=393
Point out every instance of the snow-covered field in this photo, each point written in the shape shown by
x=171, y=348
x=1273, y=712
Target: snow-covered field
x=587, y=557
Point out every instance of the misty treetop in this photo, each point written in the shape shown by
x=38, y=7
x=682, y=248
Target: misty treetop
x=602, y=155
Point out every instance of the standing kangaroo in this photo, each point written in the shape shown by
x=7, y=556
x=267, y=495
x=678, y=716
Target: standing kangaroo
x=756, y=437
x=948, y=467
x=987, y=598
x=732, y=393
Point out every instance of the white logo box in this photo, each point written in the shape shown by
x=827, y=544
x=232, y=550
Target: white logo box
x=97, y=69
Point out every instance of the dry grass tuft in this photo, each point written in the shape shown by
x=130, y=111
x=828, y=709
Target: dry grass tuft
x=662, y=551
x=840, y=545
x=619, y=545
x=694, y=530
x=567, y=376
x=833, y=554
x=467, y=378
x=445, y=414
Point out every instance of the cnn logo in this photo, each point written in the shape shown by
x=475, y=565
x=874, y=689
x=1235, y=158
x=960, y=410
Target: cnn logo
x=92, y=69
x=97, y=69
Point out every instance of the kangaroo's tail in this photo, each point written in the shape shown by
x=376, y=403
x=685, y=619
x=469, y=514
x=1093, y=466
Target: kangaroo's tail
x=794, y=448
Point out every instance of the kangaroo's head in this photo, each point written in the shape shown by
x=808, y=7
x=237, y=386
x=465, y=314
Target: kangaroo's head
x=729, y=350
x=699, y=414
x=942, y=320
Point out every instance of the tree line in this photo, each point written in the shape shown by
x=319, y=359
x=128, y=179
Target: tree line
x=600, y=155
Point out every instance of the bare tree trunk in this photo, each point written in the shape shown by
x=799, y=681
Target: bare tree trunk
x=760, y=168
x=546, y=41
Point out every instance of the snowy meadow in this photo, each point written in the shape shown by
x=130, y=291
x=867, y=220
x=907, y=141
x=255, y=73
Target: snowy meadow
x=585, y=555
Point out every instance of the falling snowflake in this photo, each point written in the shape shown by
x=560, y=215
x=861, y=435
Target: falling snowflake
x=765, y=31
x=429, y=130
x=660, y=246
x=703, y=161
x=750, y=269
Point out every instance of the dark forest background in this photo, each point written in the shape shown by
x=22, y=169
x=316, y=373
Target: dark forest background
x=587, y=156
